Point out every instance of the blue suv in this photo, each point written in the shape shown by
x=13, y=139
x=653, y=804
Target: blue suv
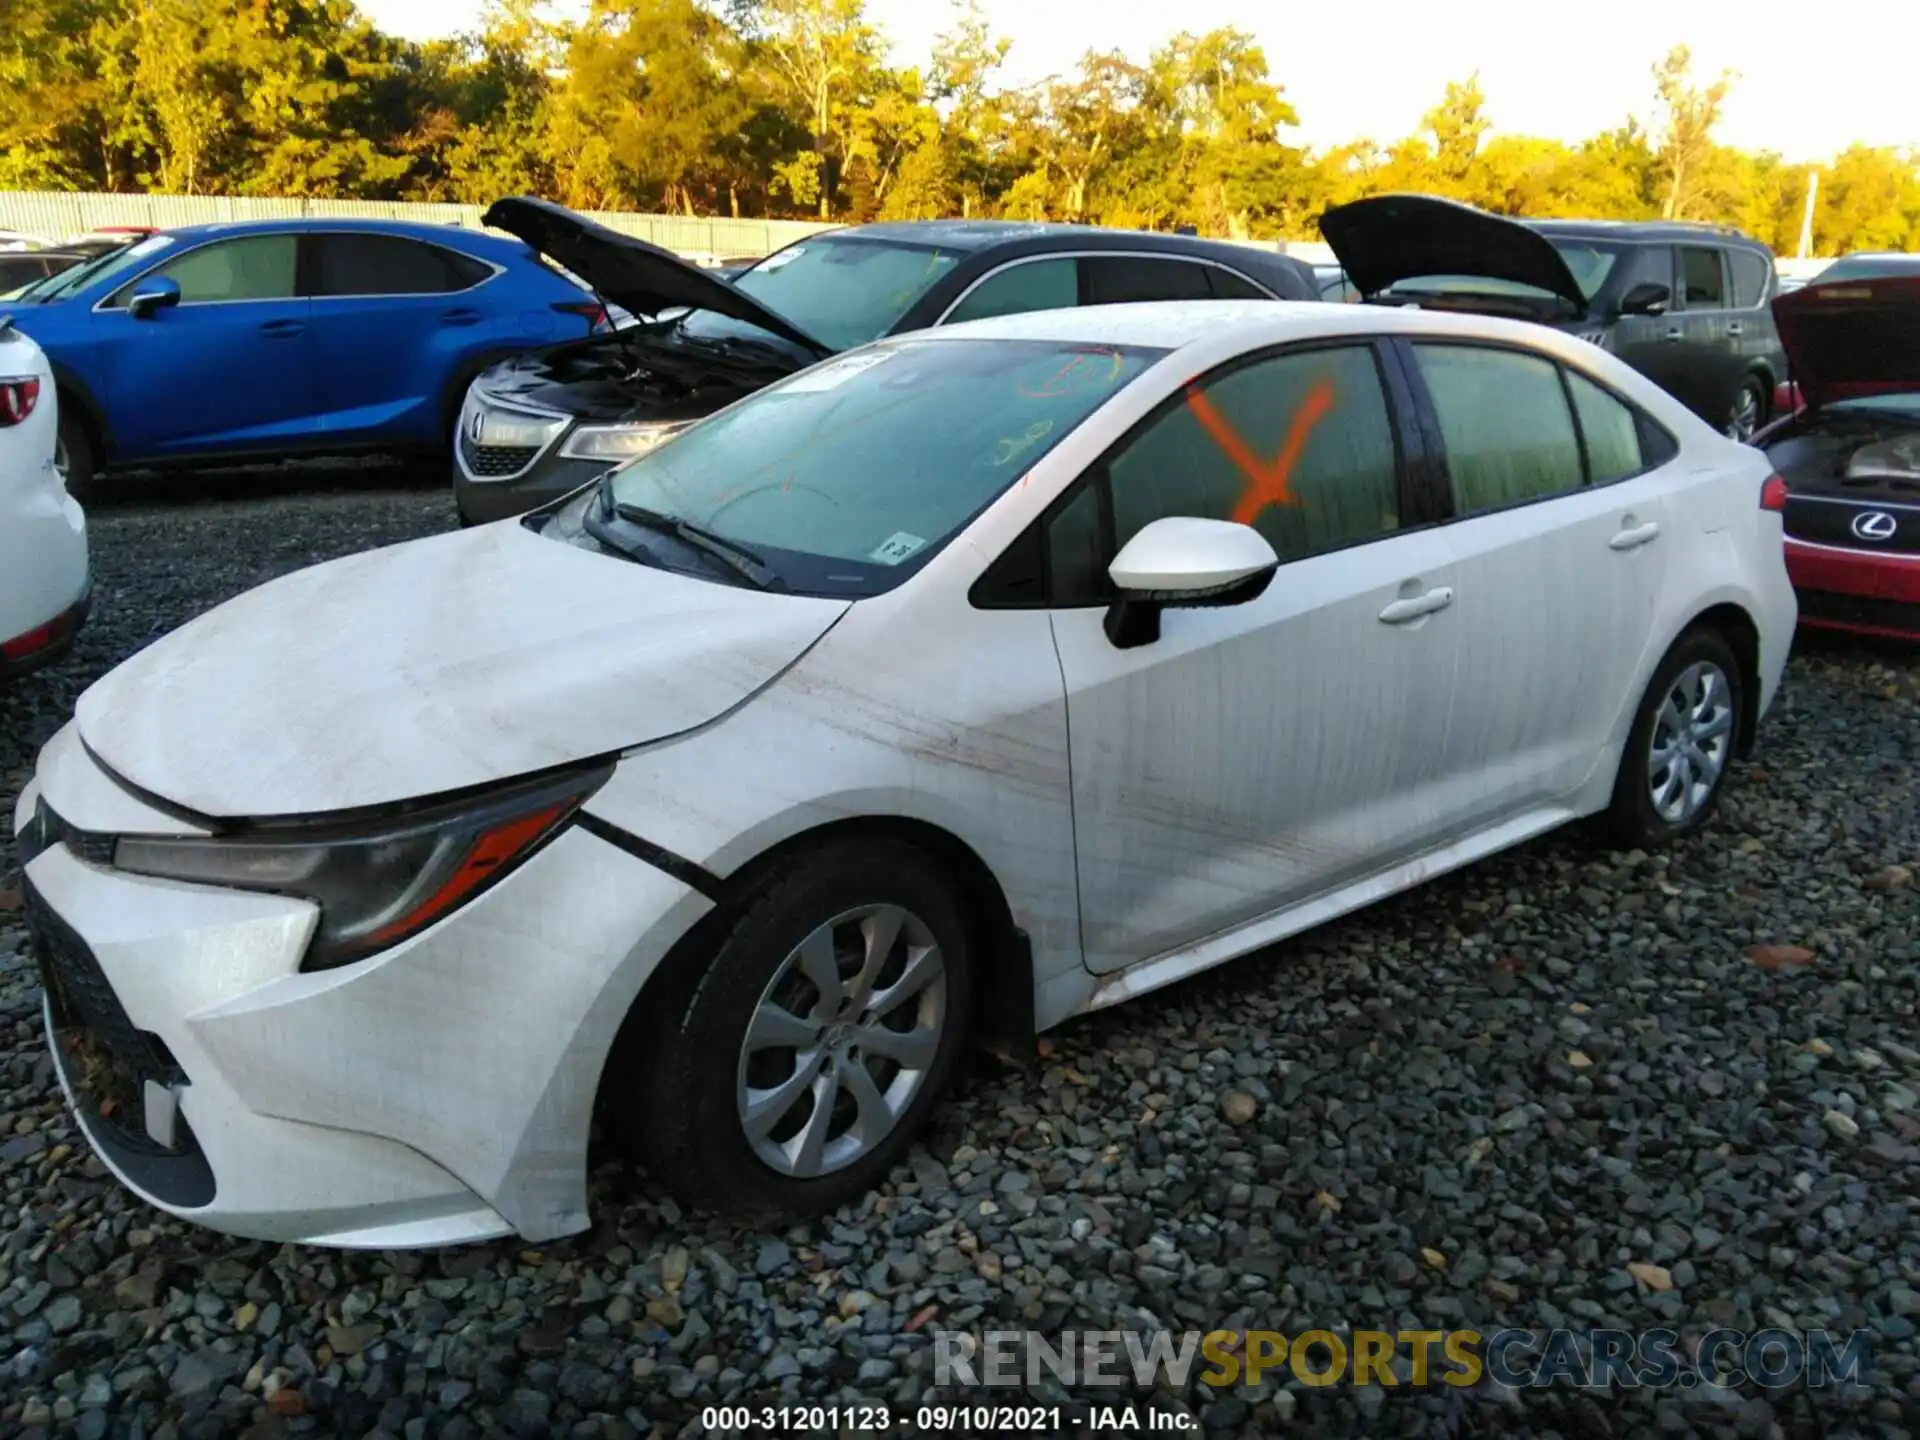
x=285, y=337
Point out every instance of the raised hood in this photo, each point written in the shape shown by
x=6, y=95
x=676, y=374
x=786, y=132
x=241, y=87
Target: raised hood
x=631, y=273
x=433, y=666
x=1388, y=238
x=1852, y=339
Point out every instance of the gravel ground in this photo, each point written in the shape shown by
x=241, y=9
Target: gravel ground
x=1478, y=1104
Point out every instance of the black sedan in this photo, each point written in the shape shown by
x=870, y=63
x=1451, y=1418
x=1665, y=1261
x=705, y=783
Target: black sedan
x=542, y=424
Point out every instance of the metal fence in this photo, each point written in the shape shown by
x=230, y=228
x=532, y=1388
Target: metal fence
x=58, y=217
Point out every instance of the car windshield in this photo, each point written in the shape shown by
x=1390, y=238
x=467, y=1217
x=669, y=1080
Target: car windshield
x=1869, y=267
x=114, y=262
x=1905, y=404
x=842, y=290
x=848, y=477
x=1590, y=263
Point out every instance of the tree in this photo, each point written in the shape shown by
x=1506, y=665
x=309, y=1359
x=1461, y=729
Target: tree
x=1689, y=114
x=1458, y=124
x=825, y=53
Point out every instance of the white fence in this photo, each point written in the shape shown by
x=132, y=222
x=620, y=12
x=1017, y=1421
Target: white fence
x=56, y=217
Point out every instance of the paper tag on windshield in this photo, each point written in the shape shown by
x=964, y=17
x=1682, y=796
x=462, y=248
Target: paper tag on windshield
x=895, y=548
x=836, y=372
x=784, y=257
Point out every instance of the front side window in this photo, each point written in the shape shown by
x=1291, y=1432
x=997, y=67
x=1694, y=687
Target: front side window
x=1591, y=262
x=844, y=291
x=388, y=265
x=254, y=267
x=1029, y=285
x=1701, y=278
x=851, y=475
x=1300, y=446
x=1504, y=420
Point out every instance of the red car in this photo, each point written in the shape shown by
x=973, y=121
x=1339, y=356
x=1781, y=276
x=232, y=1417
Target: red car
x=1849, y=454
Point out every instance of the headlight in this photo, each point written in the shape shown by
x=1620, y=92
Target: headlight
x=489, y=424
x=619, y=442
x=375, y=884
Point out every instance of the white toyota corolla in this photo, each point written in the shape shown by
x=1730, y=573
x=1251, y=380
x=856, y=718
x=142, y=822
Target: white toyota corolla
x=44, y=579
x=966, y=682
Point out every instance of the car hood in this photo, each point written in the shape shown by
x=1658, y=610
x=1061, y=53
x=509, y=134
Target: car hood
x=1851, y=339
x=1388, y=238
x=631, y=273
x=432, y=666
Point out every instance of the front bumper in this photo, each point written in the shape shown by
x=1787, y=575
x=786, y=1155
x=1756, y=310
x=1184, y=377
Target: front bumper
x=437, y=1093
x=1856, y=591
x=480, y=500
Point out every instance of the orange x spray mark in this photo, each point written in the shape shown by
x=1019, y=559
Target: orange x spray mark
x=1268, y=482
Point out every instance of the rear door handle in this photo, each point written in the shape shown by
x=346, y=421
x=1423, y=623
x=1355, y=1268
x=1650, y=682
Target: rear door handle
x=1632, y=537
x=1735, y=327
x=460, y=317
x=1673, y=333
x=281, y=329
x=1402, y=611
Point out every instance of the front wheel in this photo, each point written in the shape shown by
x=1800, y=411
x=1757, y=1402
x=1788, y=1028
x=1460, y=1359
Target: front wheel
x=819, y=1038
x=1684, y=737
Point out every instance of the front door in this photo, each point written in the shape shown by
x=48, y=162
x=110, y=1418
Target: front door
x=227, y=369
x=1256, y=755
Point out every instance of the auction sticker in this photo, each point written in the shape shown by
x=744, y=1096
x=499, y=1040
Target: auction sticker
x=895, y=548
x=835, y=372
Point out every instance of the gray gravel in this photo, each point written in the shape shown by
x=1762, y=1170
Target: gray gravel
x=1474, y=1105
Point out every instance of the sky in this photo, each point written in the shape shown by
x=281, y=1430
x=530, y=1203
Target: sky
x=1806, y=85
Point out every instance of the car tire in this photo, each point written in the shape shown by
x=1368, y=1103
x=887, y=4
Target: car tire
x=73, y=454
x=1684, y=738
x=1748, y=411
x=716, y=1101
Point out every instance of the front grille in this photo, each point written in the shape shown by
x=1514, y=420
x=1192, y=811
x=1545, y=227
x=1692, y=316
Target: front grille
x=1838, y=609
x=496, y=462
x=1824, y=520
x=113, y=1058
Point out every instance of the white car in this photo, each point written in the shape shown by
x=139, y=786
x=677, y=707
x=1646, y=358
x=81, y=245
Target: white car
x=44, y=583
x=943, y=687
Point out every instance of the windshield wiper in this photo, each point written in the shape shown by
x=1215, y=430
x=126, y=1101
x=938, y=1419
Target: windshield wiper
x=737, y=558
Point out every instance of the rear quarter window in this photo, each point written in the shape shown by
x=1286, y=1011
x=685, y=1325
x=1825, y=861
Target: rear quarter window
x=1751, y=277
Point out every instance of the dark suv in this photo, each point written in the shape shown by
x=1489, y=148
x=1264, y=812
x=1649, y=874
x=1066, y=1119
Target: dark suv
x=1686, y=305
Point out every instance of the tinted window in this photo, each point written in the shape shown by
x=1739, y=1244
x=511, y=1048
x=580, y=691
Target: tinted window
x=255, y=267
x=850, y=475
x=845, y=292
x=1749, y=277
x=1031, y=285
x=1700, y=279
x=1119, y=279
x=1611, y=431
x=1299, y=446
x=1229, y=286
x=1504, y=419
x=389, y=265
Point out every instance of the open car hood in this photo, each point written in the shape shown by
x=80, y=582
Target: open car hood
x=1851, y=339
x=1388, y=238
x=434, y=666
x=631, y=273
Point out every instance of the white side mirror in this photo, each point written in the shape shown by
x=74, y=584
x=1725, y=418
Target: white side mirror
x=1184, y=561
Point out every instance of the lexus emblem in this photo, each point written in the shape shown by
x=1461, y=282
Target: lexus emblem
x=1874, y=525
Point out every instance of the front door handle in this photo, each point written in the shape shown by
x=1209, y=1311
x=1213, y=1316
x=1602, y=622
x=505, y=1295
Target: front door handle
x=1735, y=327
x=460, y=317
x=1673, y=332
x=1401, y=612
x=281, y=329
x=1632, y=537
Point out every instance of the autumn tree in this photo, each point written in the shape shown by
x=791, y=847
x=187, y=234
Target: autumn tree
x=1689, y=113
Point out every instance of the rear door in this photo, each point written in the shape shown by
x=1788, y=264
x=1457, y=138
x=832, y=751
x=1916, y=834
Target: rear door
x=227, y=369
x=1562, y=536
x=1710, y=367
x=394, y=319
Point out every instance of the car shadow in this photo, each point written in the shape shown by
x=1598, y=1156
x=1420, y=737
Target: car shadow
x=283, y=479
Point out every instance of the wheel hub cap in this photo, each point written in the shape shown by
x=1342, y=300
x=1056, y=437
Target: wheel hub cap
x=842, y=1040
x=1692, y=739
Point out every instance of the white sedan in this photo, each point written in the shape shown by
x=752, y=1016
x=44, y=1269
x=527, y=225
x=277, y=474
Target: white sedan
x=44, y=579
x=966, y=682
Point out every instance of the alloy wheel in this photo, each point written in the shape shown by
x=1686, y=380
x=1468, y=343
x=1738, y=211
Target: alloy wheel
x=1692, y=739
x=842, y=1040
x=1745, y=418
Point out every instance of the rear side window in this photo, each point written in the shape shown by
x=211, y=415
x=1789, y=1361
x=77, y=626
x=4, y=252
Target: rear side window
x=1032, y=285
x=1121, y=279
x=1750, y=276
x=389, y=265
x=254, y=267
x=1701, y=280
x=1504, y=420
x=1611, y=431
x=1229, y=286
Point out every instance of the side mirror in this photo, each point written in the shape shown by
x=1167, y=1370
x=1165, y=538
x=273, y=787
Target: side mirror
x=153, y=295
x=1184, y=562
x=1647, y=298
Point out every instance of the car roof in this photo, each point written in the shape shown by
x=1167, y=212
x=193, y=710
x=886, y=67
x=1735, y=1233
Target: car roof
x=1642, y=230
x=977, y=235
x=412, y=229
